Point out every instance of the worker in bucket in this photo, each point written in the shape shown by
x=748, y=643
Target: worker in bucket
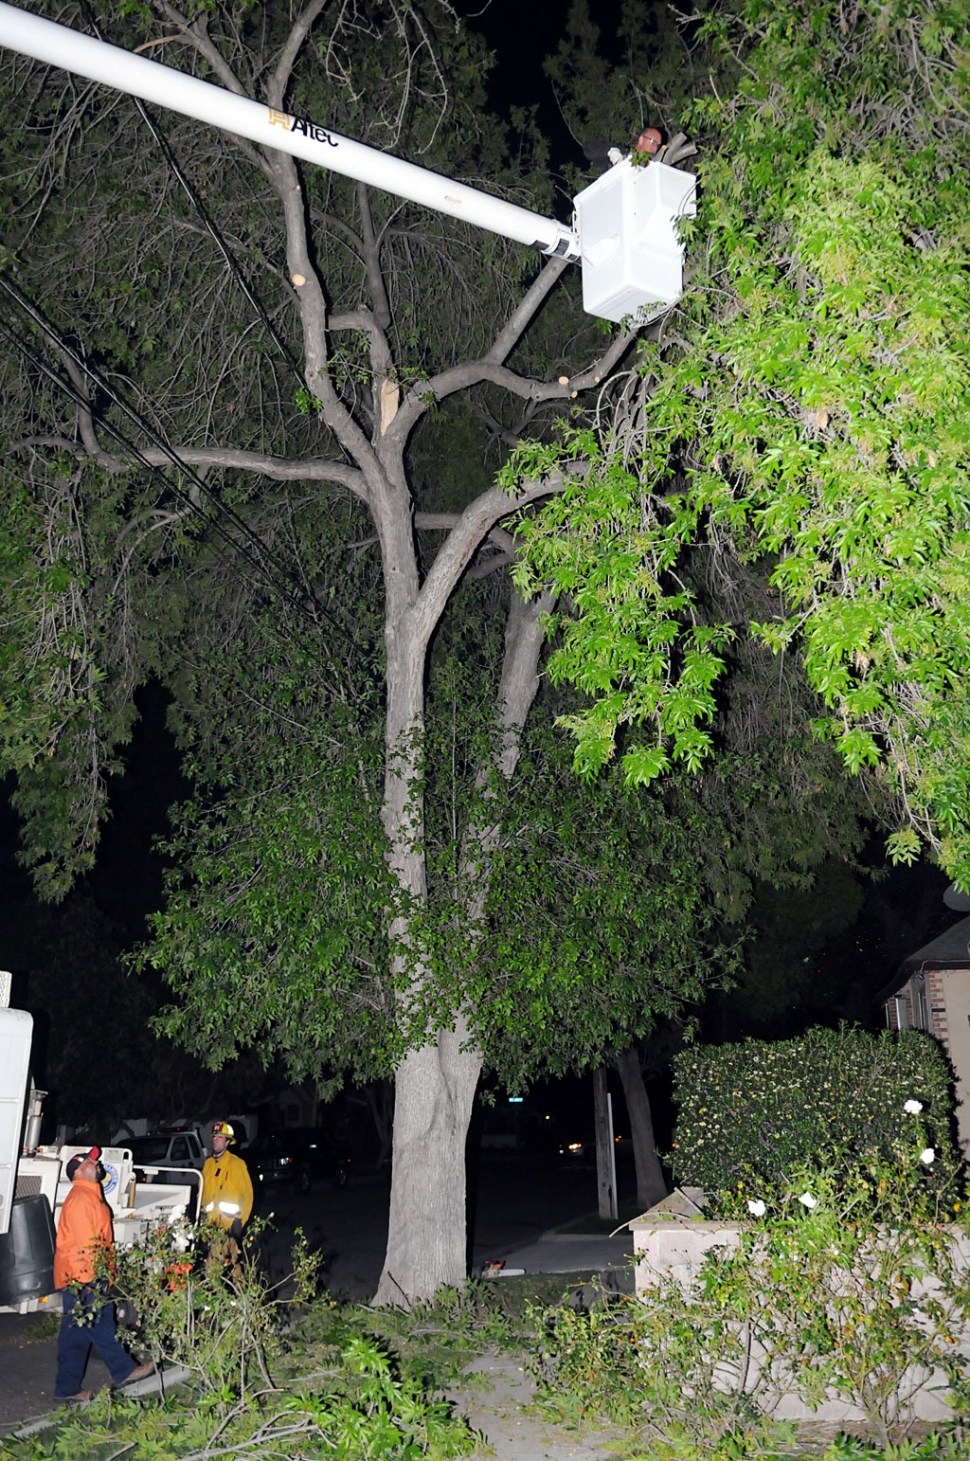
x=648, y=143
x=227, y=1193
x=82, y=1261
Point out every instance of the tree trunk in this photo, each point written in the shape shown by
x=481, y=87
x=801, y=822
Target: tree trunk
x=651, y=1186
x=435, y=1086
x=434, y=1090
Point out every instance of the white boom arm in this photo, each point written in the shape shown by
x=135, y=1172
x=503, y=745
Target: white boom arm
x=628, y=237
x=45, y=40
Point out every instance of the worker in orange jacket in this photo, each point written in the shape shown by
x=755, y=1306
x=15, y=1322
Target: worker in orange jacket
x=84, y=1230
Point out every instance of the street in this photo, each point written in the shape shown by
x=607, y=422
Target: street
x=513, y=1198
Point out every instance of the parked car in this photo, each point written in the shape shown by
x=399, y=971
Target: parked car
x=302, y=1155
x=168, y=1149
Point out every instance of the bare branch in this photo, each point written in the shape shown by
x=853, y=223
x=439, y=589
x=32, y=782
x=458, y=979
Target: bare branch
x=372, y=260
x=197, y=36
x=338, y=225
x=489, y=565
x=279, y=80
x=474, y=372
x=520, y=319
x=511, y=436
x=445, y=521
x=85, y=419
x=281, y=469
x=59, y=443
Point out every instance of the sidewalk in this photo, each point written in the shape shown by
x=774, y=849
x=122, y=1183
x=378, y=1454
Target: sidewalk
x=564, y=1250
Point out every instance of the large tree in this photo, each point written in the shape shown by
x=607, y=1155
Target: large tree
x=229, y=461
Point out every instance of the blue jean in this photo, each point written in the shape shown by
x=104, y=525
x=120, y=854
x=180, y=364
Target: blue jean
x=74, y=1345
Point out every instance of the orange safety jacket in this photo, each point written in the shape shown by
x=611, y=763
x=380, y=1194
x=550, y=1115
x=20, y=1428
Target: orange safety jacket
x=83, y=1228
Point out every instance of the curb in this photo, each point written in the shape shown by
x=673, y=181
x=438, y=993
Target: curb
x=161, y=1381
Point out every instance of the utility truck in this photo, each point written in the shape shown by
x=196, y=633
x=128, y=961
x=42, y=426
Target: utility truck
x=34, y=1184
x=624, y=232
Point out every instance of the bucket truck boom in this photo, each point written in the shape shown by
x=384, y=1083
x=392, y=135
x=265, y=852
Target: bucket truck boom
x=632, y=259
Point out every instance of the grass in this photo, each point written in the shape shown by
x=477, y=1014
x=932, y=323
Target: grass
x=39, y=1328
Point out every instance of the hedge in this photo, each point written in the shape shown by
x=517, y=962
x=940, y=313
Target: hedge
x=763, y=1107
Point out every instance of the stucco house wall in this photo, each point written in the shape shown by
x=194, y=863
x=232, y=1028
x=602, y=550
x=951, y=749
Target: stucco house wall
x=931, y=991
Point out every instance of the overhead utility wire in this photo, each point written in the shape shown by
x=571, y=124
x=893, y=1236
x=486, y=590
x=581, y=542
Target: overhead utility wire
x=232, y=264
x=133, y=415
x=215, y=232
x=258, y=561
x=69, y=390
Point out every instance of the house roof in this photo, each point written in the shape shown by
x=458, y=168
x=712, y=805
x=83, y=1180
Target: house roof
x=951, y=950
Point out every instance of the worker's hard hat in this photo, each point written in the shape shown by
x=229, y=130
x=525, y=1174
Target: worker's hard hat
x=94, y=1155
x=222, y=1128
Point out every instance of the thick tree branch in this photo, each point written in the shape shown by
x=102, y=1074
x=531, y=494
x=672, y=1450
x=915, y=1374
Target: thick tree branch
x=372, y=260
x=511, y=436
x=281, y=469
x=338, y=225
x=475, y=372
x=313, y=316
x=85, y=418
x=521, y=317
x=196, y=35
x=472, y=526
x=444, y=522
x=59, y=443
x=490, y=565
x=353, y=319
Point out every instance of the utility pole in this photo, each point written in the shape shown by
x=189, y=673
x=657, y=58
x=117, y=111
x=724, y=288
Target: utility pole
x=605, y=1150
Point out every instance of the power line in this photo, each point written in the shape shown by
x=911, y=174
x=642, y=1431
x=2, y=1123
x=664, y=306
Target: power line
x=257, y=560
x=232, y=263
x=215, y=232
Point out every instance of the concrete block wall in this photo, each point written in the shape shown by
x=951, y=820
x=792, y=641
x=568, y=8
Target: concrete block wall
x=671, y=1244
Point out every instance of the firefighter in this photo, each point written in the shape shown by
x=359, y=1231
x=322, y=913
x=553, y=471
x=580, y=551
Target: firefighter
x=227, y=1194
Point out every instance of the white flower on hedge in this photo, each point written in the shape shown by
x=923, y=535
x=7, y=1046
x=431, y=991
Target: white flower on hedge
x=913, y=1108
x=807, y=1200
x=756, y=1207
x=927, y=1156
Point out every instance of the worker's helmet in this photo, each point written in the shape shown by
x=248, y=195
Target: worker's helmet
x=222, y=1128
x=94, y=1155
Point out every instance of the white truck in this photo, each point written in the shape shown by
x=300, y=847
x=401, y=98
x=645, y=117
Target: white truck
x=33, y=1180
